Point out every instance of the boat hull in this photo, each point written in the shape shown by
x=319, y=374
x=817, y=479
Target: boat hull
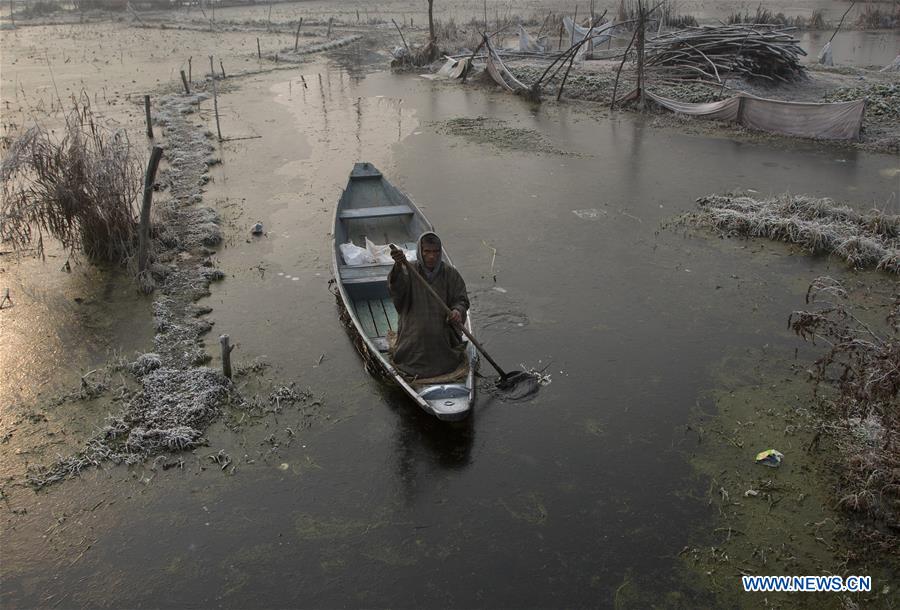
x=371, y=208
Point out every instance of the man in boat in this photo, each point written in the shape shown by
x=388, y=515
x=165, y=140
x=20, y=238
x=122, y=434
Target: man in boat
x=429, y=342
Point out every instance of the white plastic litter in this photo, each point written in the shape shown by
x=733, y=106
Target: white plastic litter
x=382, y=253
x=372, y=254
x=353, y=255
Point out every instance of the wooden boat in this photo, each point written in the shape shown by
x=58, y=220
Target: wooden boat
x=372, y=208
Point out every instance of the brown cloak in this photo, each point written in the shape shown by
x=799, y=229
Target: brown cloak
x=427, y=345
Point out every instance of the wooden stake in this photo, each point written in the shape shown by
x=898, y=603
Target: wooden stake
x=297, y=35
x=144, y=227
x=187, y=90
x=226, y=355
x=258, y=51
x=215, y=97
x=402, y=38
x=190, y=76
x=330, y=22
x=574, y=25
x=222, y=67
x=474, y=53
x=612, y=103
x=841, y=21
x=147, y=111
x=640, y=53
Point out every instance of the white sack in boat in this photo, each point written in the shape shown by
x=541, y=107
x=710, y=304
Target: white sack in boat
x=353, y=255
x=382, y=253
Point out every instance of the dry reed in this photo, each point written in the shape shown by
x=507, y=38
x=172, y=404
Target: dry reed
x=857, y=383
x=81, y=189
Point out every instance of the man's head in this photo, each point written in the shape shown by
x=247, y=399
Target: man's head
x=431, y=251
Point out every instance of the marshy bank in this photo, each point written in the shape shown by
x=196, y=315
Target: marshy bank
x=835, y=418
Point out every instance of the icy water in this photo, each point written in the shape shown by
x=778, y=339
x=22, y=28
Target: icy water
x=559, y=501
x=854, y=47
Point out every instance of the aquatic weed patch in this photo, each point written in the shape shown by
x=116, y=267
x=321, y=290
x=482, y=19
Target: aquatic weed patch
x=764, y=520
x=819, y=226
x=168, y=413
x=497, y=133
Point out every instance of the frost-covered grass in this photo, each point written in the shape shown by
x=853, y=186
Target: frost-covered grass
x=819, y=226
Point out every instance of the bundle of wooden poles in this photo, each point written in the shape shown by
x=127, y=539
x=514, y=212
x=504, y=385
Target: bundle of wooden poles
x=766, y=52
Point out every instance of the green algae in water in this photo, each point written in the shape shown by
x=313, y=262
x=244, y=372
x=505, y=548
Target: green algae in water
x=485, y=130
x=769, y=520
x=309, y=527
x=392, y=555
x=526, y=507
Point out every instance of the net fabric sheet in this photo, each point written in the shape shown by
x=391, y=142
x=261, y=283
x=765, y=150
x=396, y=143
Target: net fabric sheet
x=834, y=121
x=599, y=34
x=501, y=74
x=528, y=45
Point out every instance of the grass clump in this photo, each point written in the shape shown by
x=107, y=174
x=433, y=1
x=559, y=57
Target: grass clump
x=819, y=226
x=80, y=188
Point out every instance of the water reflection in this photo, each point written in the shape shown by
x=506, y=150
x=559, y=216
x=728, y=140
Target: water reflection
x=425, y=447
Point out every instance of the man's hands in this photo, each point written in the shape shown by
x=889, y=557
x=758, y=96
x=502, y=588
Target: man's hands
x=455, y=317
x=397, y=254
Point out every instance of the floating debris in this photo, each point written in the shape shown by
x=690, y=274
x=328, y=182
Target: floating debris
x=589, y=213
x=770, y=458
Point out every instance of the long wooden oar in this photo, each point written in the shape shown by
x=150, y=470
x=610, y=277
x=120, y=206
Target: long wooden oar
x=506, y=379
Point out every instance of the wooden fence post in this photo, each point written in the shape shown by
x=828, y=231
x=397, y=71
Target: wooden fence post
x=147, y=112
x=226, y=355
x=144, y=227
x=187, y=90
x=297, y=35
x=215, y=97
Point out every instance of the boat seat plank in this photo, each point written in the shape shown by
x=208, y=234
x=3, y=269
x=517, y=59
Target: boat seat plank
x=381, y=323
x=391, y=312
x=381, y=211
x=366, y=273
x=364, y=314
